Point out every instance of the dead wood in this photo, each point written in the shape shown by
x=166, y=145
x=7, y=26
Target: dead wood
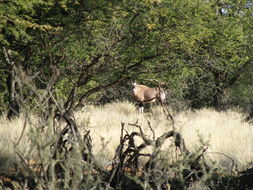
x=68, y=137
x=128, y=153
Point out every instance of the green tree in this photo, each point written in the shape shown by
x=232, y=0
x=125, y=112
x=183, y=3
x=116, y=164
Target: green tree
x=78, y=49
x=212, y=46
x=16, y=41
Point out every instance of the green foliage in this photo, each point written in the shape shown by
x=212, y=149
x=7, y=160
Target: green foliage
x=198, y=50
x=17, y=17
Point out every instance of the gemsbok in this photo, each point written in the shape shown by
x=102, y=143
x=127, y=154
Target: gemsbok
x=143, y=95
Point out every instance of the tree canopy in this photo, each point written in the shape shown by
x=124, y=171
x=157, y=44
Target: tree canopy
x=76, y=50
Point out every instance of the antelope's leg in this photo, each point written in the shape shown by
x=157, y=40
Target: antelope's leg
x=141, y=107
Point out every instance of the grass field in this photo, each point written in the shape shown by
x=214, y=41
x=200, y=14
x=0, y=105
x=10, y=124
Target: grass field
x=225, y=134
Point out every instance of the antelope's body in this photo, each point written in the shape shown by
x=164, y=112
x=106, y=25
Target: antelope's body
x=144, y=94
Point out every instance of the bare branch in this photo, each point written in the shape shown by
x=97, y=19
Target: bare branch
x=97, y=89
x=7, y=57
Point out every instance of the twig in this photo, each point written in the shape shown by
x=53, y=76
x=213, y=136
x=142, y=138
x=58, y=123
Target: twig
x=151, y=129
x=233, y=162
x=169, y=116
x=23, y=130
x=28, y=168
x=117, y=156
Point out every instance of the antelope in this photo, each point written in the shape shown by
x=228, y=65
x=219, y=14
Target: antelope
x=143, y=94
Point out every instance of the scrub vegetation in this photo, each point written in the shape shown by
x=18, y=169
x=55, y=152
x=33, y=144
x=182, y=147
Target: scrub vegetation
x=67, y=116
x=222, y=139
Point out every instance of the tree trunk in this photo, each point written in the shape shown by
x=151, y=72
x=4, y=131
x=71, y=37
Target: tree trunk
x=219, y=99
x=220, y=91
x=14, y=106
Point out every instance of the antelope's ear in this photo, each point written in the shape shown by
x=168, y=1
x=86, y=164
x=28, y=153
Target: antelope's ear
x=134, y=83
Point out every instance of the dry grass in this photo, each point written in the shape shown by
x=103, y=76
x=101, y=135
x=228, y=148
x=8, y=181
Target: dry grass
x=223, y=132
x=10, y=132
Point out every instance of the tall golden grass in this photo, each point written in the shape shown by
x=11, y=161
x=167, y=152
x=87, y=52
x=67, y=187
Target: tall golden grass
x=14, y=137
x=224, y=133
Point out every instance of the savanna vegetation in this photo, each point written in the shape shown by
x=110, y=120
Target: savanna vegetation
x=67, y=115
